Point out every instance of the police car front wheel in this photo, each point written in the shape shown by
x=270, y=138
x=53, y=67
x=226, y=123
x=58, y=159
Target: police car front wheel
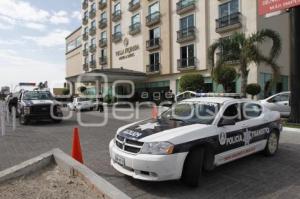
x=272, y=144
x=193, y=167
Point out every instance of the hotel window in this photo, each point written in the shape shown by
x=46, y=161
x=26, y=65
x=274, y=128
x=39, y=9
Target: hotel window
x=103, y=1
x=117, y=7
x=103, y=53
x=86, y=30
x=187, y=56
x=229, y=8
x=135, y=19
x=187, y=22
x=117, y=28
x=92, y=57
x=86, y=14
x=93, y=7
x=86, y=46
x=154, y=8
x=154, y=33
x=103, y=15
x=86, y=60
x=103, y=35
x=93, y=41
x=154, y=61
x=93, y=24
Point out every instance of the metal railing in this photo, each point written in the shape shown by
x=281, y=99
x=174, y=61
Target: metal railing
x=186, y=63
x=153, y=18
x=153, y=44
x=185, y=5
x=229, y=20
x=186, y=34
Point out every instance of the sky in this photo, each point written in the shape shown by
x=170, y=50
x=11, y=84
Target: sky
x=32, y=39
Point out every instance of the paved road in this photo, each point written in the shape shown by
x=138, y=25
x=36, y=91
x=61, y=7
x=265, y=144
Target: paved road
x=252, y=177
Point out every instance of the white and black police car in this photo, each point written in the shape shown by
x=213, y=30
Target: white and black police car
x=194, y=135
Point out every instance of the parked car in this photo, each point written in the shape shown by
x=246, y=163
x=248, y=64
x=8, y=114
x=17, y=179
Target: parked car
x=38, y=106
x=81, y=104
x=279, y=102
x=194, y=135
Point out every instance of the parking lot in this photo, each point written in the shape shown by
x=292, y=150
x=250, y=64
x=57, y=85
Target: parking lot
x=252, y=177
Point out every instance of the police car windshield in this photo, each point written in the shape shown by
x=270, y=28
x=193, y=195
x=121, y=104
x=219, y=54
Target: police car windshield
x=197, y=113
x=37, y=95
x=83, y=99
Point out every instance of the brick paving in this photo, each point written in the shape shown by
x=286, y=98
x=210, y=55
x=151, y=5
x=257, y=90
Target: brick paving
x=252, y=177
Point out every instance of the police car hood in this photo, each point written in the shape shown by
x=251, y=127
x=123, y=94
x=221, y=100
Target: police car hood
x=158, y=130
x=37, y=102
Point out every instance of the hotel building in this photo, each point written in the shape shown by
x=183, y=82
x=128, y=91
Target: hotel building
x=154, y=42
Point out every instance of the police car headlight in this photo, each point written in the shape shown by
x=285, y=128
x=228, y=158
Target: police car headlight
x=157, y=148
x=26, y=110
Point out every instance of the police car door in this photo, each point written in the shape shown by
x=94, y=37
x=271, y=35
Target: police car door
x=256, y=126
x=230, y=129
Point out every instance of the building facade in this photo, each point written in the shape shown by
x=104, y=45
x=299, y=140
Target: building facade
x=155, y=42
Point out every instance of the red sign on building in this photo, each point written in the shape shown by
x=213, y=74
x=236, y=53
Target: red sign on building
x=268, y=6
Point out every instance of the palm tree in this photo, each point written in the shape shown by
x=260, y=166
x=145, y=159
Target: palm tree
x=246, y=50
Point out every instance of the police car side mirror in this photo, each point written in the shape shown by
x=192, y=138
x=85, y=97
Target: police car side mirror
x=226, y=122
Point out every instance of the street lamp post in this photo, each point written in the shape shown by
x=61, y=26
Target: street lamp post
x=295, y=65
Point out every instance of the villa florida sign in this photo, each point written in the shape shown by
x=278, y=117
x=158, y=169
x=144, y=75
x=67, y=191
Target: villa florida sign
x=268, y=6
x=127, y=52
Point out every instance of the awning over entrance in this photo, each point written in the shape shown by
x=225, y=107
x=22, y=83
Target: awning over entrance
x=111, y=75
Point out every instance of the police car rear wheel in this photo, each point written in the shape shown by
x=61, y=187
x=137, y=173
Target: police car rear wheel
x=193, y=167
x=272, y=144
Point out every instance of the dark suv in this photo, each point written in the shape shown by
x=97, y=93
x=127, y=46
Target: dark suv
x=38, y=106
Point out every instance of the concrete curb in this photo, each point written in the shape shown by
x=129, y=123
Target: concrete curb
x=294, y=130
x=70, y=166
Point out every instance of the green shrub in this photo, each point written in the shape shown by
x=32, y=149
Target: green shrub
x=66, y=91
x=191, y=82
x=225, y=75
x=253, y=89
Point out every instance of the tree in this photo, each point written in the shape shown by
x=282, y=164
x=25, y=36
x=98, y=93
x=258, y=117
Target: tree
x=253, y=89
x=191, y=82
x=225, y=76
x=246, y=50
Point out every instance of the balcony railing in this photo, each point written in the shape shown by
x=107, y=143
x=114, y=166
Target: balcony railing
x=153, y=19
x=186, y=64
x=153, y=68
x=85, y=36
x=185, y=6
x=102, y=42
x=85, y=20
x=85, y=67
x=85, y=52
x=102, y=4
x=117, y=37
x=228, y=58
x=134, y=5
x=92, y=31
x=228, y=23
x=116, y=16
x=92, y=14
x=93, y=48
x=153, y=44
x=186, y=35
x=85, y=5
x=103, y=60
x=92, y=64
x=103, y=23
x=135, y=28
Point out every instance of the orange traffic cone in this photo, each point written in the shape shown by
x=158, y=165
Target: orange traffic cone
x=154, y=112
x=76, y=148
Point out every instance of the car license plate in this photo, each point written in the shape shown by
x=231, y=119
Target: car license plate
x=120, y=160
